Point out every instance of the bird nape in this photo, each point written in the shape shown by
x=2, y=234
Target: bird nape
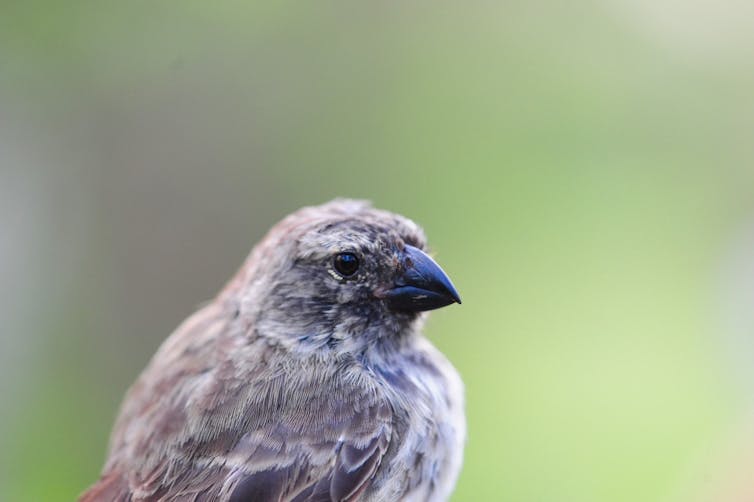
x=307, y=378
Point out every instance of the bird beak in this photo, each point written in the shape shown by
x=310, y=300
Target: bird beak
x=422, y=285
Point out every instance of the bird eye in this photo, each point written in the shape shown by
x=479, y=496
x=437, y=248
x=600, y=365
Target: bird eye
x=346, y=264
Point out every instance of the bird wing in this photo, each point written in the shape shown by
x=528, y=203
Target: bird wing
x=272, y=465
x=303, y=476
x=202, y=424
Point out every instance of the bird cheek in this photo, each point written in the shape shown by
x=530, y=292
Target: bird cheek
x=346, y=295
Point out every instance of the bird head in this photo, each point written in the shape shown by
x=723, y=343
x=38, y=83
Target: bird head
x=342, y=270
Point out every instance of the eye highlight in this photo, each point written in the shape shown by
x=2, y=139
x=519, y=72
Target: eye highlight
x=346, y=264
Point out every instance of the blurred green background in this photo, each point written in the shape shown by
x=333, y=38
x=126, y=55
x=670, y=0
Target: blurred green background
x=583, y=170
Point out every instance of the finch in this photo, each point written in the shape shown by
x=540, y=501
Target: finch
x=307, y=378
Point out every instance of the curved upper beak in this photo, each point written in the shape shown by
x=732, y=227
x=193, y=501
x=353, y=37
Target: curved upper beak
x=422, y=285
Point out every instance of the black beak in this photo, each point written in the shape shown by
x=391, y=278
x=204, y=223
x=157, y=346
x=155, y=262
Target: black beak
x=422, y=286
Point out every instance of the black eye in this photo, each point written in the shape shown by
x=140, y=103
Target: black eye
x=346, y=264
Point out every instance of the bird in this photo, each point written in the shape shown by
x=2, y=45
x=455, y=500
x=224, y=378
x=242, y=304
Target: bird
x=307, y=378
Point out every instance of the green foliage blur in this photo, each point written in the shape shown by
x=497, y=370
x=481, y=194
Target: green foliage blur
x=583, y=171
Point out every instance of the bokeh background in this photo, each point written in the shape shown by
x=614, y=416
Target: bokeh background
x=583, y=169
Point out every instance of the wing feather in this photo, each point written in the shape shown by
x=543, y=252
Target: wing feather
x=216, y=416
x=354, y=461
